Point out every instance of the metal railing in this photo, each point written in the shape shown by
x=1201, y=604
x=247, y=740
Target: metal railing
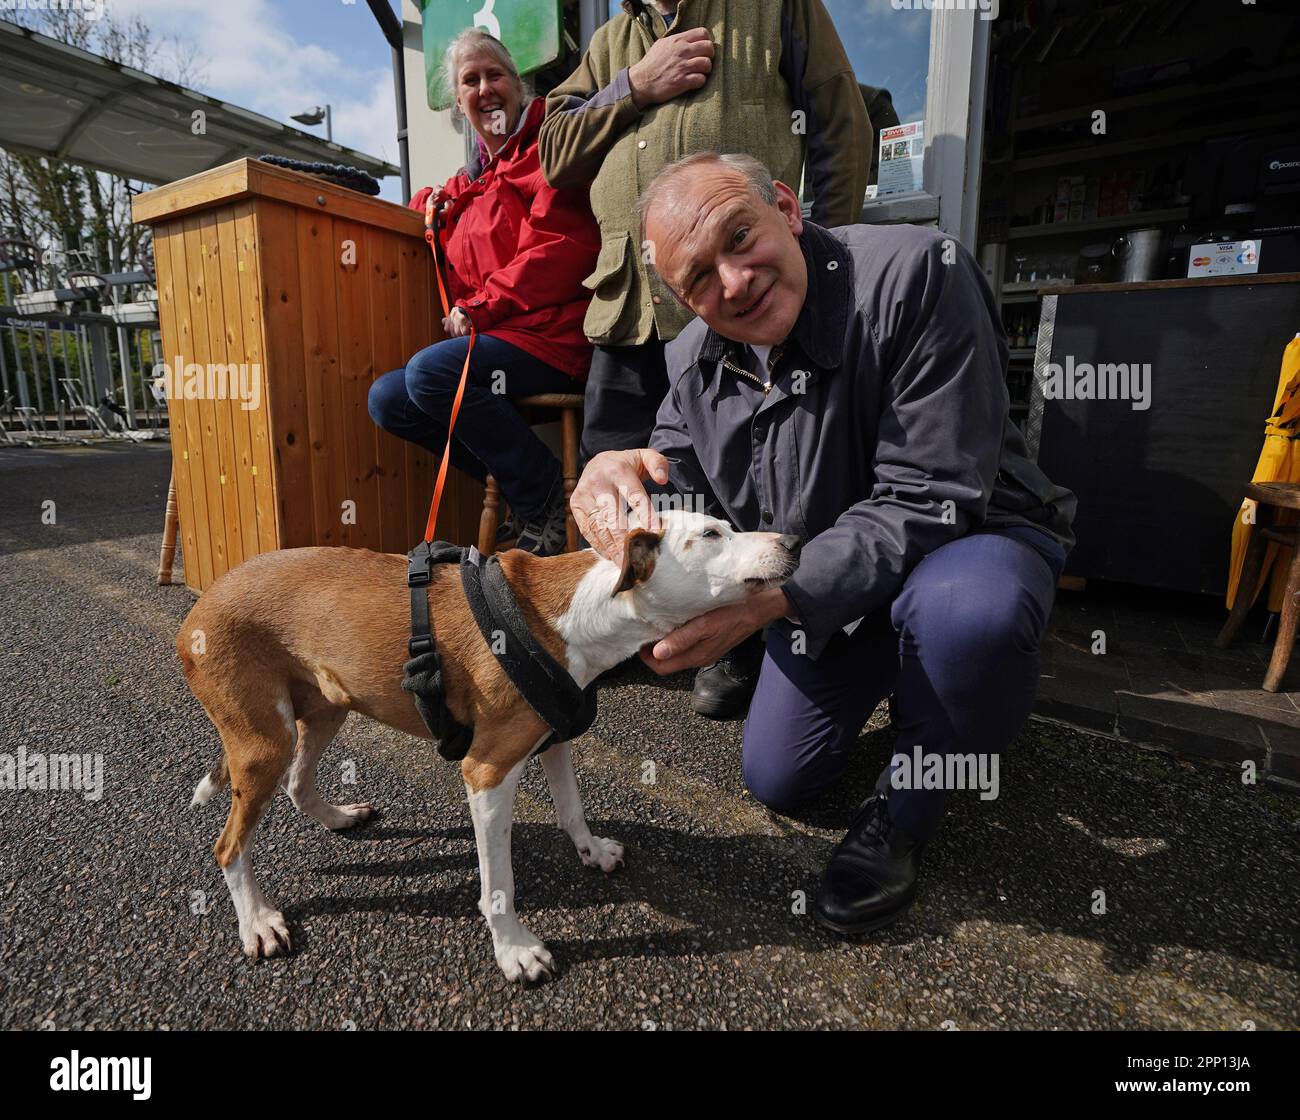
x=77, y=349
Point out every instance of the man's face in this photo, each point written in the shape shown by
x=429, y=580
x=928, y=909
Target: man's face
x=731, y=258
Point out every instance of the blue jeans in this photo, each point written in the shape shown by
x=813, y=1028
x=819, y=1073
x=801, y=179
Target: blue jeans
x=491, y=435
x=959, y=647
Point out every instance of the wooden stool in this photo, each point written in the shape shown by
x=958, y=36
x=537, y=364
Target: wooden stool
x=569, y=406
x=1271, y=497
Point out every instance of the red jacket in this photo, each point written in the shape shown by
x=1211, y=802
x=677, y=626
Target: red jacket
x=518, y=250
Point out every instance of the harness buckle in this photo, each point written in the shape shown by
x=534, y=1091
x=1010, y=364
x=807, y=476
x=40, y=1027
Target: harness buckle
x=419, y=569
x=421, y=643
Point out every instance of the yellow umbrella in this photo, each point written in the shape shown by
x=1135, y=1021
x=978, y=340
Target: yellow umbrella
x=1278, y=462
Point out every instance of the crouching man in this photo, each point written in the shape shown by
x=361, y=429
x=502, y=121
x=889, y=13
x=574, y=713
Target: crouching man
x=848, y=386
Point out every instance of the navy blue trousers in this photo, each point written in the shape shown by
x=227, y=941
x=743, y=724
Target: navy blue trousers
x=492, y=436
x=959, y=648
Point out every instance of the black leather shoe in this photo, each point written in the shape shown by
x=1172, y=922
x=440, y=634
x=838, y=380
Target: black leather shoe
x=870, y=880
x=724, y=689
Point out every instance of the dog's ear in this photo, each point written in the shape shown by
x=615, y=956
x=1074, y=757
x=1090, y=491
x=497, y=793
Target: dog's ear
x=640, y=549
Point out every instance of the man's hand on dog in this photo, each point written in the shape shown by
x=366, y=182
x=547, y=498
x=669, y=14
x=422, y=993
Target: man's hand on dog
x=705, y=639
x=611, y=479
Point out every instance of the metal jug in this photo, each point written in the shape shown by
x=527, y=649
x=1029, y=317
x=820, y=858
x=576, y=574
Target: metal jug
x=1138, y=254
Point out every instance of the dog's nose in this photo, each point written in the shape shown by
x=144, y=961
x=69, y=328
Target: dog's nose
x=791, y=542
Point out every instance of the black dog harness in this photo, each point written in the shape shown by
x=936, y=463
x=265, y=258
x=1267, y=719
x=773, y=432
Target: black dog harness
x=543, y=682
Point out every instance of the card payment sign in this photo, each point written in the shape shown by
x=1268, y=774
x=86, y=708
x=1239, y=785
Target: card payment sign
x=1224, y=258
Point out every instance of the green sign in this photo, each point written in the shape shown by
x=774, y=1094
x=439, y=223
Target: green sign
x=530, y=29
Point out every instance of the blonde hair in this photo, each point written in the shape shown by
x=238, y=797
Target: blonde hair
x=475, y=41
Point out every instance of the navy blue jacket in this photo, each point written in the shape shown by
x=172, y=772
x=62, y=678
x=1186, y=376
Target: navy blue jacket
x=886, y=433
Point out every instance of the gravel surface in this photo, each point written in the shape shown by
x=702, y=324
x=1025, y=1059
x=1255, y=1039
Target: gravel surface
x=98, y=898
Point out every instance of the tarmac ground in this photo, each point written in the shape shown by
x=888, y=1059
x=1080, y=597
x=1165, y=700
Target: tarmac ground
x=115, y=914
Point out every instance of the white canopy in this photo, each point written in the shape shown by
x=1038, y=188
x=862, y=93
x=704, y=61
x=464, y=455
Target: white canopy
x=65, y=103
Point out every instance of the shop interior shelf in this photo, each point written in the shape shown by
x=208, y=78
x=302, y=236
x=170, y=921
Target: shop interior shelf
x=1108, y=150
x=1113, y=221
x=1183, y=92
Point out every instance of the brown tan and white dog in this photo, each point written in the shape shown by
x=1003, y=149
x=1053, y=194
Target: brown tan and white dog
x=292, y=641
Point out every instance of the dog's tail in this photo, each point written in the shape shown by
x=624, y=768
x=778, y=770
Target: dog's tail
x=213, y=780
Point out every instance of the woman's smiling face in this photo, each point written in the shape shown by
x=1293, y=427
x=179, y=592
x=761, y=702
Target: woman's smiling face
x=489, y=96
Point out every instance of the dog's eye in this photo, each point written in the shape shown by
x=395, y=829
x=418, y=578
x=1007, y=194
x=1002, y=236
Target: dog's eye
x=709, y=533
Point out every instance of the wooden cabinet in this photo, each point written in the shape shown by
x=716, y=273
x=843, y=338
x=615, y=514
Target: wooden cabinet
x=300, y=294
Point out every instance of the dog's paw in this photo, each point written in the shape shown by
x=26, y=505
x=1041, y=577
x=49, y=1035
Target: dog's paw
x=530, y=961
x=265, y=935
x=339, y=817
x=601, y=852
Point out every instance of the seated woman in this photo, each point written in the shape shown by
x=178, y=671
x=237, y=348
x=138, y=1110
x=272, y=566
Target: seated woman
x=516, y=251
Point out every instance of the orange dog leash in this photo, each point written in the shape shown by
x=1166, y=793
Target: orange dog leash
x=431, y=236
x=544, y=684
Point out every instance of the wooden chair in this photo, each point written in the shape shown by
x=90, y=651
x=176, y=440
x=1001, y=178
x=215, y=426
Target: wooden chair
x=1272, y=497
x=569, y=406
x=171, y=521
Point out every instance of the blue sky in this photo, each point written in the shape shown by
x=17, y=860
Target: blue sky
x=280, y=57
x=888, y=47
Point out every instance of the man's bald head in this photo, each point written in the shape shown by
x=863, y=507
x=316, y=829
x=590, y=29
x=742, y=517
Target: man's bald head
x=672, y=185
x=724, y=237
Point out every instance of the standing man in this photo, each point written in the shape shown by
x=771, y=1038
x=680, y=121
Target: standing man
x=848, y=386
x=658, y=82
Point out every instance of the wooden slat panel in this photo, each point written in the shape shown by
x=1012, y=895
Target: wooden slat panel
x=388, y=353
x=244, y=178
x=250, y=307
x=356, y=372
x=194, y=192
x=226, y=412
x=417, y=333
x=201, y=352
x=321, y=332
x=198, y=576
x=281, y=299
x=320, y=347
x=163, y=238
x=232, y=326
x=464, y=508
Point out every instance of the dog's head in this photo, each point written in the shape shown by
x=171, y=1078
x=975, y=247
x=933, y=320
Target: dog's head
x=699, y=562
